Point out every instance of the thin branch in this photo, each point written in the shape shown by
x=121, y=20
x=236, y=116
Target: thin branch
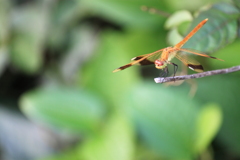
x=198, y=75
x=155, y=11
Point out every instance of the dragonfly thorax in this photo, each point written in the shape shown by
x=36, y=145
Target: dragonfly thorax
x=160, y=64
x=167, y=49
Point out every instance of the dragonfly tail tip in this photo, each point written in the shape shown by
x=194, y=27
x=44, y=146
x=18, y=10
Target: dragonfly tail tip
x=116, y=70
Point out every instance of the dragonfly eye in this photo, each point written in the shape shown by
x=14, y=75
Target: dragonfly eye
x=159, y=64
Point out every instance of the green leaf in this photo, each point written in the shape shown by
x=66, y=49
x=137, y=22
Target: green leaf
x=226, y=8
x=237, y=3
x=208, y=123
x=173, y=23
x=30, y=31
x=188, y=5
x=125, y=12
x=177, y=18
x=5, y=8
x=230, y=56
x=220, y=29
x=115, y=142
x=25, y=52
x=174, y=37
x=97, y=73
x=65, y=108
x=170, y=122
x=224, y=90
x=114, y=51
x=65, y=15
x=71, y=154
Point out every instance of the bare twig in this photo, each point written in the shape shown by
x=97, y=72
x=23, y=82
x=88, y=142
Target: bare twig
x=155, y=11
x=198, y=75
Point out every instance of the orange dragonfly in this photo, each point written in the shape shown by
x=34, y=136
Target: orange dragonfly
x=161, y=58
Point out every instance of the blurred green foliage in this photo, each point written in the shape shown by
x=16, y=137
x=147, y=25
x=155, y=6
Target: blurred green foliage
x=73, y=45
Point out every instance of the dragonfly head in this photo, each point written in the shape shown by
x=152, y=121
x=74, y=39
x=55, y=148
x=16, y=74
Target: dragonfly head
x=160, y=64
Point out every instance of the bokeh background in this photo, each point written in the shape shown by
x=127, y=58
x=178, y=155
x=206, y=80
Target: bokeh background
x=59, y=99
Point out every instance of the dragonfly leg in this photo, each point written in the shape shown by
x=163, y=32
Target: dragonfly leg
x=164, y=72
x=175, y=68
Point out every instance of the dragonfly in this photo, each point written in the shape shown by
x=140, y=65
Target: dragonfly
x=161, y=58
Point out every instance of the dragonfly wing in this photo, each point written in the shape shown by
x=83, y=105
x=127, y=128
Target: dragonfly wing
x=190, y=62
x=145, y=59
x=199, y=53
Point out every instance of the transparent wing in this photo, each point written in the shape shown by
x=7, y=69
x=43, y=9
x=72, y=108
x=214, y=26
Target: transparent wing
x=190, y=62
x=196, y=52
x=145, y=59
